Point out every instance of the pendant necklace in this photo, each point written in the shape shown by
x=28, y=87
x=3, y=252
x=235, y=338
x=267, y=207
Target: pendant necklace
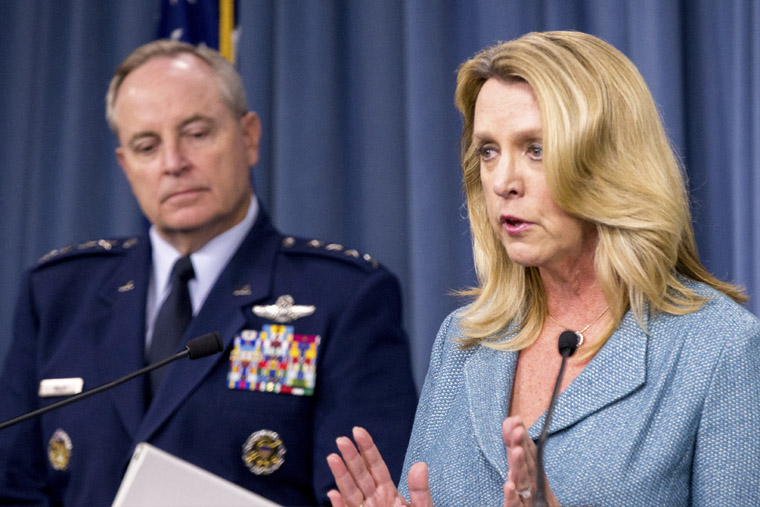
x=579, y=334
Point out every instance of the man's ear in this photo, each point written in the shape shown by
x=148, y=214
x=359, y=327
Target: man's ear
x=119, y=152
x=251, y=125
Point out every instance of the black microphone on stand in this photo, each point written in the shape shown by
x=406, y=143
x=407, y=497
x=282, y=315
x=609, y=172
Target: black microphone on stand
x=567, y=343
x=199, y=347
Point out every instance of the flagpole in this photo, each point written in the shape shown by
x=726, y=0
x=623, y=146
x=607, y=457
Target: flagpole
x=226, y=27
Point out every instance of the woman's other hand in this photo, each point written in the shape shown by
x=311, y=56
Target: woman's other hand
x=520, y=488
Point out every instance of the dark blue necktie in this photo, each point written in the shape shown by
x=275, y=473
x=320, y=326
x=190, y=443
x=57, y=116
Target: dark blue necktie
x=172, y=319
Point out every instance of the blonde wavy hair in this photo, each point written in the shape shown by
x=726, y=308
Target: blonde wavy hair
x=607, y=161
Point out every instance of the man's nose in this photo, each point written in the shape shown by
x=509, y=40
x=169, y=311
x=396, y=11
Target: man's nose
x=173, y=158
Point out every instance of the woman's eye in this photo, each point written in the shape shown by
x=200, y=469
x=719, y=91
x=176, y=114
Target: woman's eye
x=535, y=151
x=486, y=152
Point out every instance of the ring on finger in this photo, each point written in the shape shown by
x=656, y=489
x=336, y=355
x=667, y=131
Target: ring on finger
x=523, y=493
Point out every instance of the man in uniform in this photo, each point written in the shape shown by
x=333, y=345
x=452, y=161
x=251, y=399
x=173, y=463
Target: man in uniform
x=313, y=342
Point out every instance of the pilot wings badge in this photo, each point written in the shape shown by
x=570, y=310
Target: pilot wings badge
x=284, y=310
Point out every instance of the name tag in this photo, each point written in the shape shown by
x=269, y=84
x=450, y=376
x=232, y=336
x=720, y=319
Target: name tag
x=50, y=387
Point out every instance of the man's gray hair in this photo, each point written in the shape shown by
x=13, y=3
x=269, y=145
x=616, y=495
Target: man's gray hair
x=230, y=84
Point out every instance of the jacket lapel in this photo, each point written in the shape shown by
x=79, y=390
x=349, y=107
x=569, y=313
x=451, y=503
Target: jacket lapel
x=618, y=369
x=120, y=321
x=247, y=279
x=488, y=377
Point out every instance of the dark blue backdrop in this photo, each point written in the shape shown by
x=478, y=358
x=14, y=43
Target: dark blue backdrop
x=361, y=134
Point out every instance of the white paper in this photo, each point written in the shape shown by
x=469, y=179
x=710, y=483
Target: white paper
x=156, y=478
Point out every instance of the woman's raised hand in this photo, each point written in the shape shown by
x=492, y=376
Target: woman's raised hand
x=363, y=478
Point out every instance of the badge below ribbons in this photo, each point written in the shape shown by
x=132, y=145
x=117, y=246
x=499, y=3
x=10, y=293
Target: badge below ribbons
x=274, y=360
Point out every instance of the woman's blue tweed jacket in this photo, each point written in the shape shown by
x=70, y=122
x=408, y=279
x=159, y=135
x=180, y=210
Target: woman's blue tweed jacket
x=667, y=418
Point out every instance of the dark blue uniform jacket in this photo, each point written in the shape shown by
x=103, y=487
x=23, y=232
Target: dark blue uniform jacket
x=81, y=313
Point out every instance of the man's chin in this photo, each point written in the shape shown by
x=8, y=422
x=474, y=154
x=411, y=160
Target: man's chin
x=183, y=226
x=186, y=218
x=194, y=225
x=198, y=226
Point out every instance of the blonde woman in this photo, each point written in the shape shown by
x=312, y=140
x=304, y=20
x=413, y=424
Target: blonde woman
x=580, y=221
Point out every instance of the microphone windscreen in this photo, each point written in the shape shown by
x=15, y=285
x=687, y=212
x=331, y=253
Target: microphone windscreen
x=204, y=345
x=568, y=342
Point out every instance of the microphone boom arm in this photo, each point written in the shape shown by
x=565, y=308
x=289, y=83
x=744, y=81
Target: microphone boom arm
x=568, y=342
x=195, y=348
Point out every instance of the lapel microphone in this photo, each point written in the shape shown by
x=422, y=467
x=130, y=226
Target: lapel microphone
x=567, y=343
x=202, y=346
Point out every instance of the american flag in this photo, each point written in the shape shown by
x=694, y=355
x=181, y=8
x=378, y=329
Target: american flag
x=209, y=22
